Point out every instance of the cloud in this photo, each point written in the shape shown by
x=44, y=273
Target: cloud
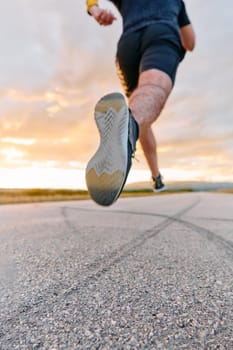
x=56, y=62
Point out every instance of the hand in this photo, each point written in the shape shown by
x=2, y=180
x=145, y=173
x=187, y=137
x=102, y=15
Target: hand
x=102, y=16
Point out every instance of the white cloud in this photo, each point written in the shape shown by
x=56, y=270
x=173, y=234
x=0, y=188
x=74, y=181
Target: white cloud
x=56, y=62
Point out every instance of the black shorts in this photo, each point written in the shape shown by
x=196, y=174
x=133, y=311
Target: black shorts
x=156, y=46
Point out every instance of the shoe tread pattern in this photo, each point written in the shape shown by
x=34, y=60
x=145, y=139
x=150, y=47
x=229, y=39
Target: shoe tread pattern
x=106, y=170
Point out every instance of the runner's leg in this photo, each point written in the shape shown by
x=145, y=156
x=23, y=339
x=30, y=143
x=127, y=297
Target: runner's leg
x=147, y=100
x=148, y=143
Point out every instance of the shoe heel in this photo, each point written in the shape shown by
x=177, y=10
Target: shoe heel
x=114, y=100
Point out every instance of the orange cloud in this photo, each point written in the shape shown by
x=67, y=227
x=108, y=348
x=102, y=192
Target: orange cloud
x=46, y=109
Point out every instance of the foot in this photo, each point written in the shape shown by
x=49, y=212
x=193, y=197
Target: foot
x=107, y=171
x=158, y=185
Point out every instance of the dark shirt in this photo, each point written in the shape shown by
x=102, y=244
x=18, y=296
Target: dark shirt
x=137, y=14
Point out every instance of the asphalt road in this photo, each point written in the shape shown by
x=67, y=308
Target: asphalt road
x=146, y=273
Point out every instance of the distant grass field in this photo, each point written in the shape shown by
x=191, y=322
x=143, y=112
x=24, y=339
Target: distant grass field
x=40, y=195
x=11, y=196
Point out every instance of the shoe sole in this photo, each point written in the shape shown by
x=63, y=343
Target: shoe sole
x=106, y=170
x=160, y=190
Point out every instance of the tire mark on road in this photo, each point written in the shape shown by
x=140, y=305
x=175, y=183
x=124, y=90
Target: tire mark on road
x=210, y=235
x=114, y=256
x=94, y=270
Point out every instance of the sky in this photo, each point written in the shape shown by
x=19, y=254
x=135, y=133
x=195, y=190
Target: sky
x=56, y=62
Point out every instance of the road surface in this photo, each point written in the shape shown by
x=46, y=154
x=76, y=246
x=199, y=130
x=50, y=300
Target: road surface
x=146, y=273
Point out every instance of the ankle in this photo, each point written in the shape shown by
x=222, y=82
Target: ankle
x=156, y=175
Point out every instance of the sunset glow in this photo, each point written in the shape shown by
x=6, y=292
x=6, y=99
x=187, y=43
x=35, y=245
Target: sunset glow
x=53, y=70
x=75, y=179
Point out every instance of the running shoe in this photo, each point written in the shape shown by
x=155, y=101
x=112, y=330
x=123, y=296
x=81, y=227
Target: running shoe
x=158, y=185
x=107, y=170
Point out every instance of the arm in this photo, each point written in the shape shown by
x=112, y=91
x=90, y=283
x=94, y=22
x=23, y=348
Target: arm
x=186, y=29
x=102, y=16
x=187, y=37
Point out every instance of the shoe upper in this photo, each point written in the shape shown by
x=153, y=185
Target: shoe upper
x=158, y=184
